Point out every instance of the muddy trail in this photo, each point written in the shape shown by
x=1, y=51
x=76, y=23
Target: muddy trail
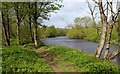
x=47, y=55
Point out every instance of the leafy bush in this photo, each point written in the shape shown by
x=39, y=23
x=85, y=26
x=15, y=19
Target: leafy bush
x=114, y=38
x=17, y=59
x=93, y=37
x=75, y=32
x=100, y=68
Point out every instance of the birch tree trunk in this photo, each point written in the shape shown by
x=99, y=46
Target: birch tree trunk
x=104, y=31
x=108, y=42
x=110, y=32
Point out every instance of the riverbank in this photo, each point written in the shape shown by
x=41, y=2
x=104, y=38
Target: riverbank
x=24, y=59
x=94, y=37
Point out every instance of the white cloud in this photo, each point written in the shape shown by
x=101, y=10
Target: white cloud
x=69, y=12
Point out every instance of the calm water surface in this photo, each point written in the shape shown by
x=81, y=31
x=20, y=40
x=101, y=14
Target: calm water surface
x=83, y=45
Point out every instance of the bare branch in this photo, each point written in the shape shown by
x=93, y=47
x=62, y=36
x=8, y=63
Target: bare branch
x=85, y=11
x=95, y=1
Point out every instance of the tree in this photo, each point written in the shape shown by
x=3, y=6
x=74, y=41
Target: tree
x=35, y=25
x=21, y=10
x=30, y=17
x=113, y=21
x=4, y=30
x=82, y=21
x=104, y=28
x=5, y=21
x=40, y=11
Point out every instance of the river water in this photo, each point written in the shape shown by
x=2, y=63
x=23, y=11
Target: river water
x=83, y=45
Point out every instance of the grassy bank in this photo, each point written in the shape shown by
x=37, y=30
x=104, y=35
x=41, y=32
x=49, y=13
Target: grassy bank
x=23, y=59
x=69, y=59
x=18, y=59
x=94, y=37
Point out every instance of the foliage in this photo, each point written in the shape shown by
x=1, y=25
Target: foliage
x=85, y=21
x=17, y=59
x=75, y=32
x=86, y=62
x=80, y=32
x=51, y=31
x=85, y=30
x=61, y=32
x=93, y=37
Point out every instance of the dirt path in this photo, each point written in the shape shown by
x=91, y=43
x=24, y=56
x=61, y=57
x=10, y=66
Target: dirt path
x=52, y=64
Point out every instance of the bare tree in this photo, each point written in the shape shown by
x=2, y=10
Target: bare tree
x=104, y=28
x=93, y=17
x=114, y=17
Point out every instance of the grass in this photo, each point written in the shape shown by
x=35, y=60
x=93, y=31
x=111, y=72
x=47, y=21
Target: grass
x=73, y=60
x=18, y=59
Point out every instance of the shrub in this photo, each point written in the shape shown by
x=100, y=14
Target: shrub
x=93, y=37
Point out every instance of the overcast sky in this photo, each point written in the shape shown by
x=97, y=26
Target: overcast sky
x=67, y=14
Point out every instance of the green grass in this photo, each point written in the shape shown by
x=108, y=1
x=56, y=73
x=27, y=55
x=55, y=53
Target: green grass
x=18, y=59
x=70, y=60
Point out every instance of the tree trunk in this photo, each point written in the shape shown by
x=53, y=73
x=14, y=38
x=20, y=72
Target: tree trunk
x=18, y=24
x=114, y=54
x=35, y=25
x=30, y=30
x=4, y=31
x=18, y=33
x=104, y=31
x=110, y=31
x=108, y=41
x=8, y=31
x=32, y=39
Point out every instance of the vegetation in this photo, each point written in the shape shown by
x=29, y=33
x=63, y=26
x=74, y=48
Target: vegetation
x=18, y=59
x=67, y=58
x=22, y=33
x=95, y=38
x=51, y=31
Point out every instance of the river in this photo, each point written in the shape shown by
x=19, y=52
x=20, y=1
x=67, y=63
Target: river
x=83, y=45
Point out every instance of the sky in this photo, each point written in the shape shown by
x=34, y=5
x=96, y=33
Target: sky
x=67, y=14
